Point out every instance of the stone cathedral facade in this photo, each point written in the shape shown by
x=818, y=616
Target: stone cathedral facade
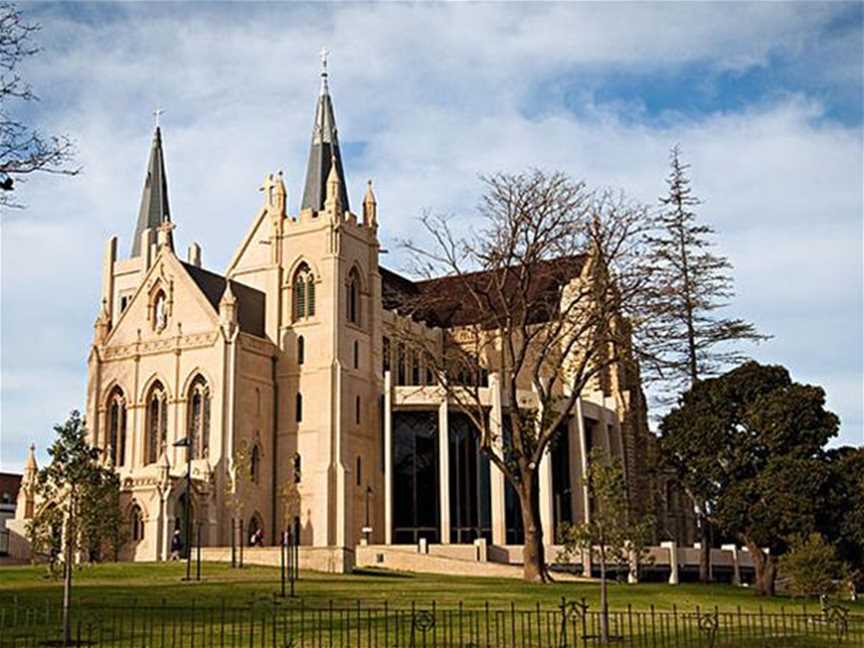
x=297, y=407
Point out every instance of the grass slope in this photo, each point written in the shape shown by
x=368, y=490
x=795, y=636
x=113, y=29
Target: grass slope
x=150, y=583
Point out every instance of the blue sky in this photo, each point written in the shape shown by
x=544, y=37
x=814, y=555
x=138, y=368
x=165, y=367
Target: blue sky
x=765, y=100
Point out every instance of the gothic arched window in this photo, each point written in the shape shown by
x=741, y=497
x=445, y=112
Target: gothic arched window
x=298, y=409
x=255, y=465
x=301, y=350
x=354, y=296
x=136, y=521
x=198, y=422
x=303, y=287
x=157, y=421
x=116, y=441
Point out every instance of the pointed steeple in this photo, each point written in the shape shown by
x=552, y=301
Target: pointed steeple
x=154, y=200
x=370, y=207
x=30, y=466
x=324, y=151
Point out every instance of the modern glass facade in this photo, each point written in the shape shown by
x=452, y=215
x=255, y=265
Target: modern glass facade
x=470, y=493
x=416, y=512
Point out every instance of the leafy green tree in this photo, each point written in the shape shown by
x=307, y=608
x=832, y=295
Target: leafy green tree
x=78, y=507
x=750, y=444
x=617, y=534
x=686, y=339
x=812, y=566
x=842, y=522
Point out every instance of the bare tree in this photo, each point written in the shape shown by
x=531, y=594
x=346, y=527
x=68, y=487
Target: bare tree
x=539, y=298
x=23, y=149
x=687, y=339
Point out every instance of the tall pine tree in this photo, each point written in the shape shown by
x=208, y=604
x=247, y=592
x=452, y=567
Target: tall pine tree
x=687, y=338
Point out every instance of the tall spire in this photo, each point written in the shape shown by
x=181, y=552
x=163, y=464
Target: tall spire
x=324, y=151
x=154, y=199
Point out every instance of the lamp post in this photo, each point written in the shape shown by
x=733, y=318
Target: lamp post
x=184, y=443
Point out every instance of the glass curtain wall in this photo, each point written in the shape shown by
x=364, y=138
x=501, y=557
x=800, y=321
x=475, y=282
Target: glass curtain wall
x=470, y=493
x=416, y=513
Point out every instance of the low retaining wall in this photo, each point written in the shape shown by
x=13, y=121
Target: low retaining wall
x=332, y=560
x=403, y=558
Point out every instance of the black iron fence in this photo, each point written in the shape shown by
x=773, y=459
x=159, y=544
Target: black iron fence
x=295, y=624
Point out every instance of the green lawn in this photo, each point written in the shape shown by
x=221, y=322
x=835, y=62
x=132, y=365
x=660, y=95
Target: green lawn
x=150, y=583
x=148, y=604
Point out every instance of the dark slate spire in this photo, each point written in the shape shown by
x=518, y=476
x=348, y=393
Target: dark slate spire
x=324, y=150
x=154, y=200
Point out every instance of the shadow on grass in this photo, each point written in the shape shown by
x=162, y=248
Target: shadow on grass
x=380, y=573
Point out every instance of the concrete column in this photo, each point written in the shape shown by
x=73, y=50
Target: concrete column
x=583, y=454
x=481, y=549
x=547, y=514
x=546, y=496
x=633, y=565
x=497, y=481
x=672, y=546
x=388, y=458
x=444, y=471
x=577, y=505
x=736, y=567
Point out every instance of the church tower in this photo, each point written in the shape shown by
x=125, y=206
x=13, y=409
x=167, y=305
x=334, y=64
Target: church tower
x=321, y=264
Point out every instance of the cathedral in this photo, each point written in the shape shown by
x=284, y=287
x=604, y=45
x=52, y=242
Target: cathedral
x=278, y=385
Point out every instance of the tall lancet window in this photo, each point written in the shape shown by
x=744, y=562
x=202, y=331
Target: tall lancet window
x=116, y=441
x=157, y=421
x=303, y=288
x=354, y=297
x=198, y=427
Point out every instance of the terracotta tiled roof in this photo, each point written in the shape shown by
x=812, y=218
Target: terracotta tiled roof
x=450, y=301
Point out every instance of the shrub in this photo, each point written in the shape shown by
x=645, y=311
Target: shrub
x=811, y=565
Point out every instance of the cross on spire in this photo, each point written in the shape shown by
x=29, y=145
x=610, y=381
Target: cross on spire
x=156, y=114
x=324, y=54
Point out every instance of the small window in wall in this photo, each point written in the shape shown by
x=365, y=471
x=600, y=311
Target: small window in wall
x=357, y=410
x=301, y=350
x=359, y=471
x=124, y=302
x=298, y=408
x=356, y=354
x=255, y=465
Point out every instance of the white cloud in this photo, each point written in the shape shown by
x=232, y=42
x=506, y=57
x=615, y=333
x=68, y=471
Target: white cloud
x=438, y=95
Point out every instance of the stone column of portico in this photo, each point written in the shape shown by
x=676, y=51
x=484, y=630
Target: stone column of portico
x=547, y=514
x=546, y=496
x=444, y=470
x=496, y=477
x=583, y=468
x=388, y=457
